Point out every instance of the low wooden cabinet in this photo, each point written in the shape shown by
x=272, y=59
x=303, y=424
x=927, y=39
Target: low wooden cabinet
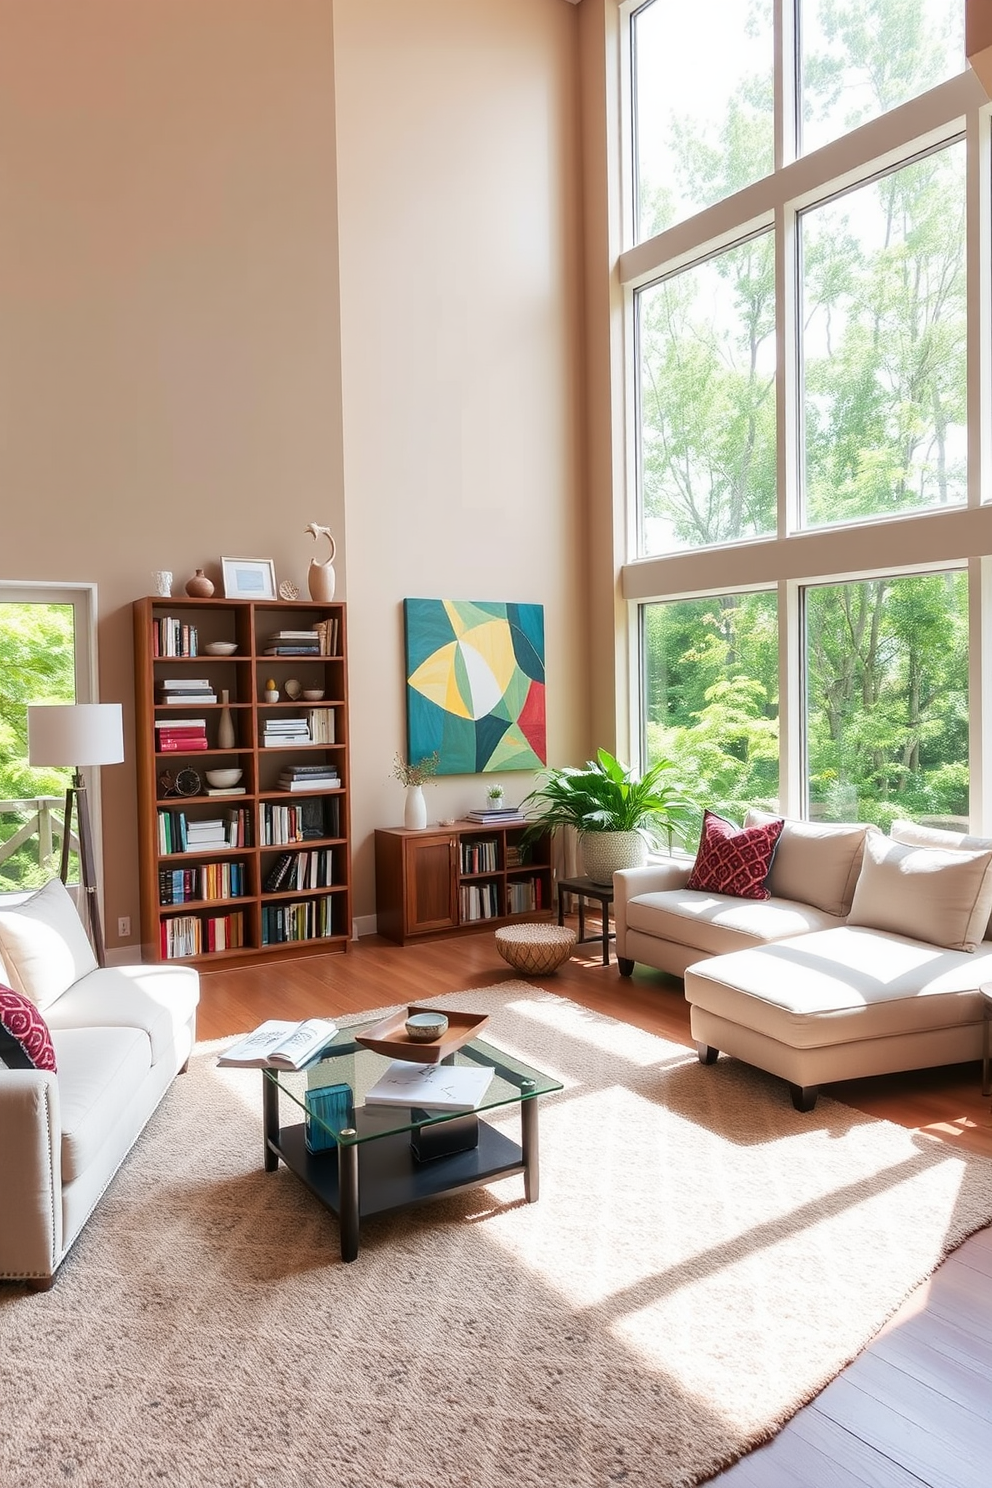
x=463, y=877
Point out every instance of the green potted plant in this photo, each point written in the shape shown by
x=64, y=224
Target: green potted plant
x=617, y=814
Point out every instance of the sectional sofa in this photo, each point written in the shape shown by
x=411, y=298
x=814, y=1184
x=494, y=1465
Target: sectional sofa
x=866, y=959
x=117, y=1036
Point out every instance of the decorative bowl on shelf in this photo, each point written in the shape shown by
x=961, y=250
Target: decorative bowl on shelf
x=313, y=694
x=221, y=648
x=223, y=779
x=292, y=689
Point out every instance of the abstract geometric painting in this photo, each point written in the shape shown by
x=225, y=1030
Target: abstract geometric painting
x=475, y=685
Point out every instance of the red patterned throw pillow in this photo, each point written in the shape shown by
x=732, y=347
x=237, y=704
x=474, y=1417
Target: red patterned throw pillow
x=735, y=860
x=25, y=1042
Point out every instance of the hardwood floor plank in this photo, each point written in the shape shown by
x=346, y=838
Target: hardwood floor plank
x=815, y=1452
x=942, y=1443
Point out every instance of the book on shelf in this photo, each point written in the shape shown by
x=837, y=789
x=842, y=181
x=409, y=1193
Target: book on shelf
x=434, y=1087
x=321, y=724
x=310, y=634
x=180, y=723
x=309, y=919
x=185, y=684
x=496, y=818
x=292, y=650
x=183, y=699
x=300, y=770
x=278, y=873
x=310, y=783
x=279, y=1045
x=181, y=746
x=226, y=790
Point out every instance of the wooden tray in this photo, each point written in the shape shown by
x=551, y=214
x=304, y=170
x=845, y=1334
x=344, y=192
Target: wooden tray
x=390, y=1036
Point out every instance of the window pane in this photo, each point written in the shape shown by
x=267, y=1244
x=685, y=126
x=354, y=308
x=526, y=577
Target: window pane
x=703, y=105
x=710, y=698
x=860, y=59
x=706, y=340
x=884, y=345
x=37, y=665
x=887, y=700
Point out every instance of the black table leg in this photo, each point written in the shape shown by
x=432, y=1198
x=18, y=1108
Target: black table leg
x=530, y=1146
x=270, y=1121
x=606, y=931
x=348, y=1198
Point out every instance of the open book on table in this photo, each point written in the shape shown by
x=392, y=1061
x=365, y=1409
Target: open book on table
x=278, y=1045
x=436, y=1087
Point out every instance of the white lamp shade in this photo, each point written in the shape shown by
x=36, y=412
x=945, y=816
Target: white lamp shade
x=75, y=734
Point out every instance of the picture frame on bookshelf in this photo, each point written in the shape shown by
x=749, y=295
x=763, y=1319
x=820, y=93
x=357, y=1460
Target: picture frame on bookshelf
x=249, y=578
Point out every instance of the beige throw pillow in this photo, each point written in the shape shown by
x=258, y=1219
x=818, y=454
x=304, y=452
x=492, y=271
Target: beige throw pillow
x=815, y=862
x=44, y=946
x=925, y=893
x=904, y=831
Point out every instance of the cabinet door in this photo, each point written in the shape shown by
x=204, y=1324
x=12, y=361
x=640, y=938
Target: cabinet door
x=429, y=881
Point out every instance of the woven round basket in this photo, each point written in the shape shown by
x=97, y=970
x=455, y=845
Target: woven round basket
x=536, y=950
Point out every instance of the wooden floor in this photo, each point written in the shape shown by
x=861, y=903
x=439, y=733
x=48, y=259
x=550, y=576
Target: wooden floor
x=916, y=1407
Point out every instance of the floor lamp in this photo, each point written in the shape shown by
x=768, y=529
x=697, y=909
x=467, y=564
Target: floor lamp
x=78, y=734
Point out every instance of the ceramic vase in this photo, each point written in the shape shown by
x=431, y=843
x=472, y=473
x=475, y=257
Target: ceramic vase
x=415, y=810
x=225, y=724
x=199, y=586
x=320, y=581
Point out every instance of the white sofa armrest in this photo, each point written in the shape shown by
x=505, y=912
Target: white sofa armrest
x=656, y=878
x=30, y=1174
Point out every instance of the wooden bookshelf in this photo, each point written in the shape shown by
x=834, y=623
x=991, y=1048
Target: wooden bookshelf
x=210, y=902
x=459, y=878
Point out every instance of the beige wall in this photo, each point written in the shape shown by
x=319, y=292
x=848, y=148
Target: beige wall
x=185, y=371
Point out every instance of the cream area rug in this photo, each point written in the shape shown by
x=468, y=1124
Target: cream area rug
x=701, y=1261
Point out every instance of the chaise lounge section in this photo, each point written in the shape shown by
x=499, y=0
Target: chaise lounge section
x=891, y=984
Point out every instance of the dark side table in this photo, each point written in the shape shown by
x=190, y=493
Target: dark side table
x=584, y=888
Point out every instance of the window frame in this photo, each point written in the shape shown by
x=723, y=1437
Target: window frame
x=917, y=541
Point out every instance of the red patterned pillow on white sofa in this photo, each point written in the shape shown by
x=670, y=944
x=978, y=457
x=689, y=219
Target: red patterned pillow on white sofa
x=25, y=1042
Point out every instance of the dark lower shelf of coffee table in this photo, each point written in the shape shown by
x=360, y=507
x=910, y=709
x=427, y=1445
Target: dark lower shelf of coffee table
x=389, y=1177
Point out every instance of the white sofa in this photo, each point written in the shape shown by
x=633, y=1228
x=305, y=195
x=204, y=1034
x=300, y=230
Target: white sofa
x=866, y=959
x=120, y=1035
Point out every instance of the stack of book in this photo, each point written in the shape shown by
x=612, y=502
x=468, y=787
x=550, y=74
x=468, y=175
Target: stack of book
x=180, y=735
x=309, y=820
x=327, y=636
x=283, y=733
x=309, y=778
x=301, y=870
x=293, y=643
x=203, y=835
x=496, y=816
x=177, y=690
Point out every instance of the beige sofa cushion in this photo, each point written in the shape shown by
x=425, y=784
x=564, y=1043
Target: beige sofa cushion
x=714, y=923
x=841, y=985
x=815, y=862
x=904, y=831
x=44, y=946
x=101, y=1071
x=930, y=894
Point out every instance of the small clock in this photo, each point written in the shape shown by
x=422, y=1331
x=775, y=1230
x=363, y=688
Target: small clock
x=188, y=783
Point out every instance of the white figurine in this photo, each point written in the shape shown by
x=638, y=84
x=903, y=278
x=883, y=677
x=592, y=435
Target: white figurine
x=320, y=576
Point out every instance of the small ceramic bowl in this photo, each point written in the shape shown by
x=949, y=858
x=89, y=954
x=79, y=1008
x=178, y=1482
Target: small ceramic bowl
x=223, y=779
x=423, y=1028
x=220, y=648
x=313, y=694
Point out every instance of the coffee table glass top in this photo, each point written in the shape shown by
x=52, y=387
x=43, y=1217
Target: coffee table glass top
x=345, y=1062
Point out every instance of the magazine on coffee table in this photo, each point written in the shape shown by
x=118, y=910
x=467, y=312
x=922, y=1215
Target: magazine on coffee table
x=278, y=1045
x=436, y=1087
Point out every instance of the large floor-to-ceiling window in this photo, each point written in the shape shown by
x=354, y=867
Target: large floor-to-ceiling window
x=807, y=286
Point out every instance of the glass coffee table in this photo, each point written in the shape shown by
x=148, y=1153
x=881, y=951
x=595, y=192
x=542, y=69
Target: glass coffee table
x=363, y=1160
